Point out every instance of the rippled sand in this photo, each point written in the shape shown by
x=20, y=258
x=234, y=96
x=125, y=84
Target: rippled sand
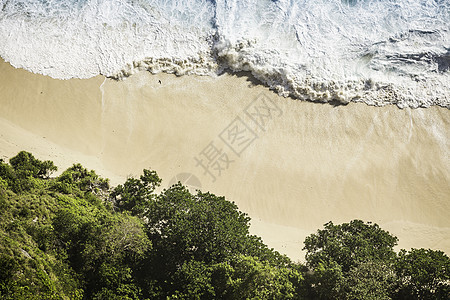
x=304, y=165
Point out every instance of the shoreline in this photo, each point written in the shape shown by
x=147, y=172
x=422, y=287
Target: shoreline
x=311, y=164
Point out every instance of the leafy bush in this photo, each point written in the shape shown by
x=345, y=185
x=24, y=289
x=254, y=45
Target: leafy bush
x=78, y=180
x=60, y=238
x=423, y=274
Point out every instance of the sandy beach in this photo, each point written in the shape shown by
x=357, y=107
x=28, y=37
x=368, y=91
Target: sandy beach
x=294, y=166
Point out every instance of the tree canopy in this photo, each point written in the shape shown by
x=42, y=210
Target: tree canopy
x=356, y=260
x=75, y=237
x=349, y=244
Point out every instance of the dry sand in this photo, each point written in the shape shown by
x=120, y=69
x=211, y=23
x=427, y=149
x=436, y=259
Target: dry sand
x=310, y=163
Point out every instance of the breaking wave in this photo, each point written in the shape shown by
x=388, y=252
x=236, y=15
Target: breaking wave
x=374, y=51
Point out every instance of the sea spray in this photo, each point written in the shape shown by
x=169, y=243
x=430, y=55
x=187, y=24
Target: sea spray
x=372, y=51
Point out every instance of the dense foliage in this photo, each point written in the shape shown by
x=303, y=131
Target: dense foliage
x=74, y=237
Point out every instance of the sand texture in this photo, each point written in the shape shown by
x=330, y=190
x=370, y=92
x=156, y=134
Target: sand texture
x=291, y=165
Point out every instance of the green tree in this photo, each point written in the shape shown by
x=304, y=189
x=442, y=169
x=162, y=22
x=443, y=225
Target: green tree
x=184, y=228
x=25, y=164
x=79, y=181
x=193, y=280
x=349, y=244
x=104, y=247
x=24, y=170
x=253, y=279
x=190, y=234
x=325, y=281
x=423, y=274
x=115, y=281
x=203, y=227
x=134, y=194
x=338, y=252
x=243, y=277
x=7, y=175
x=59, y=239
x=371, y=280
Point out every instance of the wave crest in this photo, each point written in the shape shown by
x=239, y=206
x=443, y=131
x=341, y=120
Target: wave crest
x=377, y=52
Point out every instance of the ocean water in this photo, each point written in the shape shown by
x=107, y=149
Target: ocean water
x=374, y=51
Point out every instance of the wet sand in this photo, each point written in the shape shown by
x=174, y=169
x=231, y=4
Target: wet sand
x=292, y=167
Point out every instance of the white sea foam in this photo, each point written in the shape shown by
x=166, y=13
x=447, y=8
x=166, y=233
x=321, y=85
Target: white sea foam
x=374, y=51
